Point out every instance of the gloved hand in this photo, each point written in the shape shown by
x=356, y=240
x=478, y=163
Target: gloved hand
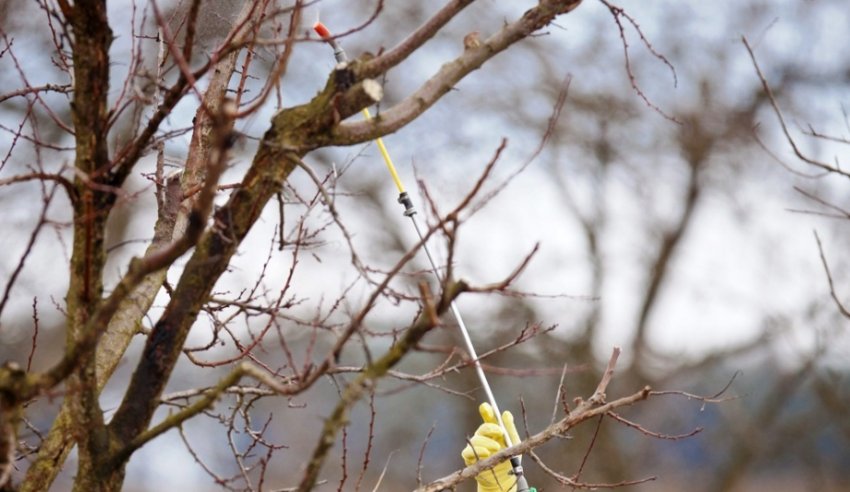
x=488, y=440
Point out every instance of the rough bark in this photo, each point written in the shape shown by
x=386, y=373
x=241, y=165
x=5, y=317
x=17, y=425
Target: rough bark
x=92, y=37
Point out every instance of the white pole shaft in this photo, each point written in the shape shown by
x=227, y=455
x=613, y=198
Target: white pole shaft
x=470, y=348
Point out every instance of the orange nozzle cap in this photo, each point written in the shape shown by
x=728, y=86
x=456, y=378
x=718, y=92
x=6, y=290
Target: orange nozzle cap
x=322, y=30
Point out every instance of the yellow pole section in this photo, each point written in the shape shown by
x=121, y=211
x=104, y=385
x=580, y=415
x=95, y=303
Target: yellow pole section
x=386, y=155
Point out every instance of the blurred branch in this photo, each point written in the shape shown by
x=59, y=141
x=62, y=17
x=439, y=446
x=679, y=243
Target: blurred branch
x=834, y=401
x=840, y=212
x=800, y=155
x=764, y=422
x=191, y=27
x=660, y=268
x=689, y=369
x=841, y=308
x=61, y=88
x=42, y=220
x=41, y=176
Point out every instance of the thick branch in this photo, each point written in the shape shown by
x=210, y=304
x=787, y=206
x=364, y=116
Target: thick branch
x=92, y=39
x=449, y=74
x=209, y=260
x=417, y=38
x=142, y=267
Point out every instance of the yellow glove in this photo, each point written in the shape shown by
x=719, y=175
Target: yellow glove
x=488, y=440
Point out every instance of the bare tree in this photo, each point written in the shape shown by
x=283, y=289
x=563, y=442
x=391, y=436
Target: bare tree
x=112, y=127
x=223, y=317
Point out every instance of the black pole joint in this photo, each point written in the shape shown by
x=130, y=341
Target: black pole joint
x=405, y=200
x=521, y=482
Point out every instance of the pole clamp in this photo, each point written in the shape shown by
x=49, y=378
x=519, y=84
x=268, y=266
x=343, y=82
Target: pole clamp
x=405, y=200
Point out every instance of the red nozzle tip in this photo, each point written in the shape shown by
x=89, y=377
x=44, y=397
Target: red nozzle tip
x=322, y=30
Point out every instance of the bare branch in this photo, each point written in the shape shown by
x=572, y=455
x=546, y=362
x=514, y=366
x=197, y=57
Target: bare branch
x=587, y=409
x=450, y=74
x=800, y=155
x=60, y=88
x=618, y=12
x=58, y=178
x=392, y=57
x=841, y=308
x=567, y=481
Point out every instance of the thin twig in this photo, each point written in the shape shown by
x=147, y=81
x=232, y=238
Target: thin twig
x=841, y=308
x=818, y=164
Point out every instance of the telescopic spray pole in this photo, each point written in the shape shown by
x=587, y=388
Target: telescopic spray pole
x=410, y=211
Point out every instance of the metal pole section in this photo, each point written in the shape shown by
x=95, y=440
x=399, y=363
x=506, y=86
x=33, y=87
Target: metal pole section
x=516, y=464
x=410, y=211
x=470, y=348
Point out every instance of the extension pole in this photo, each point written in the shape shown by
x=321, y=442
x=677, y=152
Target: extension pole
x=410, y=211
